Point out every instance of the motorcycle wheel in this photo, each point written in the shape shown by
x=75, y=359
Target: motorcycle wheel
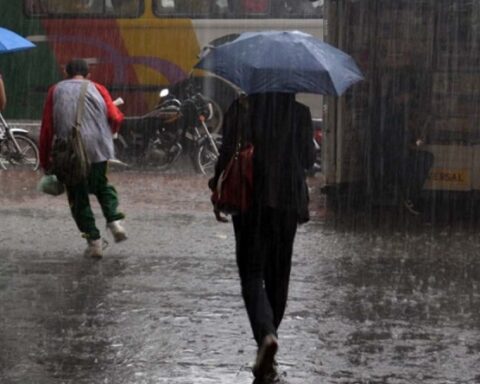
x=214, y=124
x=205, y=158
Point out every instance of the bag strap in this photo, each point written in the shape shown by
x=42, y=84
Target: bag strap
x=81, y=104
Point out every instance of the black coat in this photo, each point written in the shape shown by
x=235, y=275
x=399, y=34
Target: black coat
x=281, y=131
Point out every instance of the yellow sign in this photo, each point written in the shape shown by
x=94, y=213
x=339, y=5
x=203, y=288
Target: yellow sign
x=448, y=179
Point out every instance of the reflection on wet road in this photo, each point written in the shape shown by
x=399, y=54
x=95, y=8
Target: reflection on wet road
x=368, y=303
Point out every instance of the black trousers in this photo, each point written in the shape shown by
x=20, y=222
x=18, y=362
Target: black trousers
x=264, y=244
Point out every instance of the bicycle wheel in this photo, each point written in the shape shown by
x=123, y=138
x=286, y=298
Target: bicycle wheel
x=26, y=158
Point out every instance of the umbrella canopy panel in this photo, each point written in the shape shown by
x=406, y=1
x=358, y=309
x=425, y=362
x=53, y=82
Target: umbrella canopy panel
x=282, y=61
x=12, y=42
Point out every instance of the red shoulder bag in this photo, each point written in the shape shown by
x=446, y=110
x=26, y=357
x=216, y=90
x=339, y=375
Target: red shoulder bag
x=233, y=192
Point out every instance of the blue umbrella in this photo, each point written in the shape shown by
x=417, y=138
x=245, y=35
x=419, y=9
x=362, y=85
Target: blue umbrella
x=12, y=42
x=281, y=61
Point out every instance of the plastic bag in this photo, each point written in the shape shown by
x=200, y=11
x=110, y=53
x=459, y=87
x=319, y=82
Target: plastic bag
x=50, y=185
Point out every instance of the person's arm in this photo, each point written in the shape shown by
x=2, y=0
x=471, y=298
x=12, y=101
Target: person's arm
x=114, y=115
x=46, y=131
x=229, y=141
x=3, y=95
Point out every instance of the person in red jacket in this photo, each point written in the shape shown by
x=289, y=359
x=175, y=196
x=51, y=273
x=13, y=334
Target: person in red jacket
x=100, y=120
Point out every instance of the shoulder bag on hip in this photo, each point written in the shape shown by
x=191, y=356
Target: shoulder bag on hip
x=234, y=189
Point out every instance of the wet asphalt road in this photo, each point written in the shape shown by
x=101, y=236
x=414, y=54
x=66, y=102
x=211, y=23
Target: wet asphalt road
x=371, y=301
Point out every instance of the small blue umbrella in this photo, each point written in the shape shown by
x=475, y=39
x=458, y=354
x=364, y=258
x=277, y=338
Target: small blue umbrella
x=12, y=42
x=282, y=61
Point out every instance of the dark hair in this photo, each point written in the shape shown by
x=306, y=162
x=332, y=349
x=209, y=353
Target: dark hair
x=77, y=67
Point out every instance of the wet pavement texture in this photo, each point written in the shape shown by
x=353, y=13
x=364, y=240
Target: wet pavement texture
x=371, y=301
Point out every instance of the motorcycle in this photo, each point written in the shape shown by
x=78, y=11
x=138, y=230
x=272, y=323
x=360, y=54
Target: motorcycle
x=158, y=138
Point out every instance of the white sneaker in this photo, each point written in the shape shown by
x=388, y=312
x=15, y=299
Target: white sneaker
x=94, y=248
x=117, y=230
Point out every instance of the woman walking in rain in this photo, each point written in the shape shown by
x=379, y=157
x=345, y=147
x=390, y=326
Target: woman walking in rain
x=281, y=131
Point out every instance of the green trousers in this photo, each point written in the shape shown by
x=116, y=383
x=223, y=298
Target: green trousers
x=78, y=198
